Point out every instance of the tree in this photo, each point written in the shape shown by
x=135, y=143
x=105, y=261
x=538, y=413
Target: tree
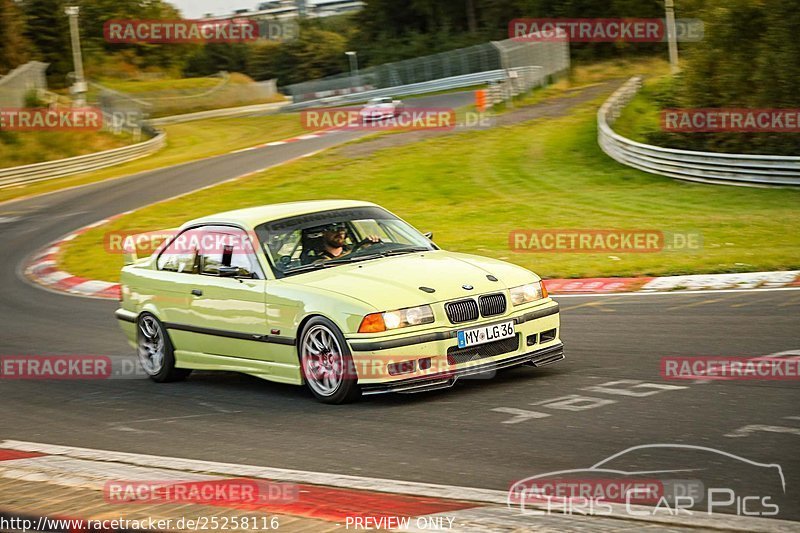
x=14, y=46
x=48, y=30
x=94, y=13
x=749, y=58
x=215, y=57
x=261, y=63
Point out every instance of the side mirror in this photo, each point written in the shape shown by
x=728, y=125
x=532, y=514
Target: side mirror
x=429, y=235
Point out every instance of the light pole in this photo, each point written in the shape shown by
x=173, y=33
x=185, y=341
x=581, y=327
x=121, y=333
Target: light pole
x=672, y=37
x=79, y=87
x=353, y=56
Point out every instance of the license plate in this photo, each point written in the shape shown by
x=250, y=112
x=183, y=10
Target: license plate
x=484, y=334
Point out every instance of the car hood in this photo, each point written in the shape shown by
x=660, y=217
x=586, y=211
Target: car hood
x=394, y=282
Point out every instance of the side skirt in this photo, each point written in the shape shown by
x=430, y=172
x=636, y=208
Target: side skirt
x=269, y=370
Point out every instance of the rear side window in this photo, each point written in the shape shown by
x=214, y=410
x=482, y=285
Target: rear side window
x=181, y=254
x=223, y=246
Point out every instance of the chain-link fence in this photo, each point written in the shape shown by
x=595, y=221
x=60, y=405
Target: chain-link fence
x=221, y=90
x=549, y=58
x=129, y=111
x=530, y=64
x=23, y=80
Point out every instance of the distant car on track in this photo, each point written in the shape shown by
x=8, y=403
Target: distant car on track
x=340, y=295
x=381, y=108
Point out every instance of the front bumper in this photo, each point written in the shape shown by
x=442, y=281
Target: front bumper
x=443, y=380
x=536, y=342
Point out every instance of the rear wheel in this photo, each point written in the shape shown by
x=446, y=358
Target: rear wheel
x=155, y=351
x=326, y=362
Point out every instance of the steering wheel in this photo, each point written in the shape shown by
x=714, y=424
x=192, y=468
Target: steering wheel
x=365, y=242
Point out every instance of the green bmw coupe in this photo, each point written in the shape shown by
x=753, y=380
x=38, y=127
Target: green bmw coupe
x=340, y=295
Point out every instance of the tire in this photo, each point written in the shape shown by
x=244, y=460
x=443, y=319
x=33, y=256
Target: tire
x=155, y=351
x=326, y=363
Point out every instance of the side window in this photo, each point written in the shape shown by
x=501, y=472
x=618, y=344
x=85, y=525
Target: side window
x=370, y=227
x=181, y=254
x=227, y=247
x=398, y=233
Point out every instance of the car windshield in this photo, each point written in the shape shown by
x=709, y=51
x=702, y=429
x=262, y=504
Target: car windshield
x=331, y=238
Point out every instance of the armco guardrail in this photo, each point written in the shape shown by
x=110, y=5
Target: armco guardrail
x=219, y=113
x=706, y=167
x=47, y=170
x=443, y=84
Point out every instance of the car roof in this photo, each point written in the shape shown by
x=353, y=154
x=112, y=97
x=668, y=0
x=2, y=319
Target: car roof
x=253, y=216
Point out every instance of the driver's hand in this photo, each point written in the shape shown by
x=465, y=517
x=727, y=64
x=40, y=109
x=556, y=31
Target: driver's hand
x=371, y=239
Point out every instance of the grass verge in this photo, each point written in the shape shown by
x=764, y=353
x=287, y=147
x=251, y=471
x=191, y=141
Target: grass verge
x=185, y=142
x=188, y=95
x=481, y=185
x=171, y=86
x=642, y=116
x=28, y=147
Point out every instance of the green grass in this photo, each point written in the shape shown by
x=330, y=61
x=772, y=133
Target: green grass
x=185, y=142
x=176, y=85
x=174, y=96
x=642, y=116
x=471, y=189
x=584, y=75
x=25, y=148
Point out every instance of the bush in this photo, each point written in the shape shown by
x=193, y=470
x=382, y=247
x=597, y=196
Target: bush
x=32, y=99
x=750, y=58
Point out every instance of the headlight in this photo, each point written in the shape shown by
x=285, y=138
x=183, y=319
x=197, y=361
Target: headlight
x=401, y=318
x=528, y=293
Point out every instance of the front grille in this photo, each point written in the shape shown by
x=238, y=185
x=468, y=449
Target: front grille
x=493, y=304
x=456, y=355
x=461, y=311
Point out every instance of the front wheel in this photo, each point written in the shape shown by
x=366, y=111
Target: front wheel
x=155, y=351
x=326, y=363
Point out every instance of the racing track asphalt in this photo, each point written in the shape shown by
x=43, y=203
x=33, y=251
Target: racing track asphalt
x=460, y=436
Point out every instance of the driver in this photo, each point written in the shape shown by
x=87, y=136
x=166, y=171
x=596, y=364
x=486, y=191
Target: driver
x=334, y=242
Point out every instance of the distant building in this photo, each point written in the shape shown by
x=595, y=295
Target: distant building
x=289, y=9
x=277, y=19
x=326, y=8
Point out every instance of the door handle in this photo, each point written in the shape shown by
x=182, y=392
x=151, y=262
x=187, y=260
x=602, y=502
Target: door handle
x=197, y=292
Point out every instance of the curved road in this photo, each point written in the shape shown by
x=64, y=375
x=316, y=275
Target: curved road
x=606, y=396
